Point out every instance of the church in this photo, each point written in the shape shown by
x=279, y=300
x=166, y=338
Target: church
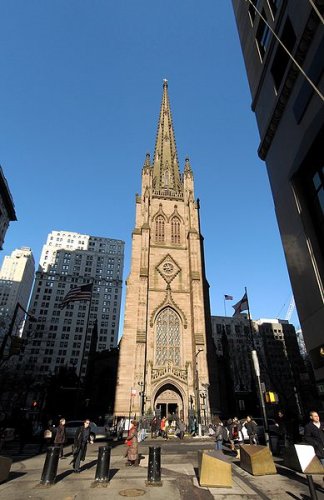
x=167, y=358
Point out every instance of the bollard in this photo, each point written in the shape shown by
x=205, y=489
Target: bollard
x=50, y=465
x=103, y=464
x=154, y=466
x=311, y=487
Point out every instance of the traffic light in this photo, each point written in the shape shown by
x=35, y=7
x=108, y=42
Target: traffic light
x=271, y=397
x=34, y=405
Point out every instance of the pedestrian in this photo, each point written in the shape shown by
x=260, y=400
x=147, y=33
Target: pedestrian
x=194, y=427
x=314, y=435
x=281, y=430
x=60, y=436
x=218, y=427
x=132, y=445
x=251, y=429
x=163, y=428
x=81, y=440
x=235, y=432
x=120, y=429
x=154, y=427
x=182, y=428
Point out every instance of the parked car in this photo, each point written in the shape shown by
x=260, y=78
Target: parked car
x=8, y=434
x=260, y=429
x=97, y=432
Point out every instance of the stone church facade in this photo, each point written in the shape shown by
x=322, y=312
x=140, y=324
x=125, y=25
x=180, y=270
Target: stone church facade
x=167, y=341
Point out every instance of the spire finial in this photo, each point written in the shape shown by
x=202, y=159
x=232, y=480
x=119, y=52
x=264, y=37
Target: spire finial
x=166, y=174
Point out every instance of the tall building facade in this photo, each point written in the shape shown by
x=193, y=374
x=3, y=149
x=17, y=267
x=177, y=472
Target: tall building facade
x=62, y=337
x=283, y=369
x=286, y=80
x=167, y=339
x=7, y=207
x=16, y=281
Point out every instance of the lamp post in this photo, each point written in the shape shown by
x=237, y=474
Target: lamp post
x=142, y=396
x=206, y=386
x=257, y=374
x=197, y=393
x=203, y=397
x=11, y=326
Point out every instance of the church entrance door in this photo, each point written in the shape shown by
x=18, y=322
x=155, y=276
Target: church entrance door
x=168, y=401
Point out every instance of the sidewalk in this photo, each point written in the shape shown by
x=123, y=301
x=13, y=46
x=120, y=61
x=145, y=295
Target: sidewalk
x=179, y=476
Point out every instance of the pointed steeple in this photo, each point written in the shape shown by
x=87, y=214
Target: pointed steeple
x=166, y=173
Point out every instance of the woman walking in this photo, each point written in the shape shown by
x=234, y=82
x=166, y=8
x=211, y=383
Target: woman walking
x=132, y=445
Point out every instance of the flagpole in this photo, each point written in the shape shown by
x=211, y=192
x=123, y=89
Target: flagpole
x=225, y=306
x=85, y=337
x=250, y=322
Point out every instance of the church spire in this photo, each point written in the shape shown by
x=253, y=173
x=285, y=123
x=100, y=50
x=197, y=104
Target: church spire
x=166, y=174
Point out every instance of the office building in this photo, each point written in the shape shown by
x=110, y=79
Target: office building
x=16, y=281
x=283, y=44
x=283, y=369
x=61, y=337
x=7, y=208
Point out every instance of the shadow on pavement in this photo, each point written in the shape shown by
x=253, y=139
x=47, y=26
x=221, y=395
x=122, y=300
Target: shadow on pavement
x=12, y=476
x=302, y=496
x=290, y=474
x=112, y=473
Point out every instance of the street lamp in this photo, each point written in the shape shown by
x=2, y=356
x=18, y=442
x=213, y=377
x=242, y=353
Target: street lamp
x=257, y=374
x=197, y=393
x=11, y=326
x=203, y=397
x=142, y=395
x=206, y=386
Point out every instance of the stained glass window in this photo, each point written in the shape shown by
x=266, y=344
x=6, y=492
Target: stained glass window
x=167, y=337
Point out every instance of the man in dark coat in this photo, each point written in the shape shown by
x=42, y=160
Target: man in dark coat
x=251, y=429
x=314, y=435
x=60, y=436
x=82, y=438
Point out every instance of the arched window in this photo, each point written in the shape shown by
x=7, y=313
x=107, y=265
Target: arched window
x=175, y=230
x=159, y=228
x=167, y=337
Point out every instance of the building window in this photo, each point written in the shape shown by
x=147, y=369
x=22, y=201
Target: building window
x=273, y=6
x=175, y=230
x=262, y=36
x=159, y=229
x=168, y=337
x=281, y=58
x=252, y=11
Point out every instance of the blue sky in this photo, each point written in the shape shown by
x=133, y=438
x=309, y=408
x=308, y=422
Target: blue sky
x=80, y=92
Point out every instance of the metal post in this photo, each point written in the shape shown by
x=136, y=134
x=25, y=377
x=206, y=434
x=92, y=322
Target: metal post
x=103, y=464
x=257, y=373
x=311, y=487
x=154, y=467
x=198, y=394
x=50, y=465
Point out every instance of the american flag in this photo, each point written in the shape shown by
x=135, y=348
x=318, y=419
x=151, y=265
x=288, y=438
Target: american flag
x=228, y=297
x=83, y=292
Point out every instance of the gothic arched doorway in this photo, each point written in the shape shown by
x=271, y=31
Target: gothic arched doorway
x=168, y=401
